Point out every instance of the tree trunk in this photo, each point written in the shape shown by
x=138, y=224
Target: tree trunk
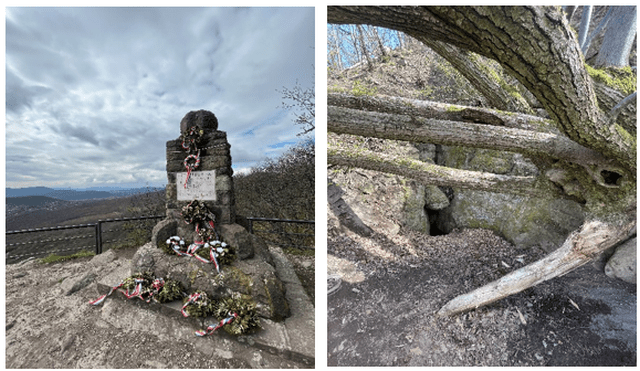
x=412, y=128
x=618, y=39
x=487, y=81
x=584, y=27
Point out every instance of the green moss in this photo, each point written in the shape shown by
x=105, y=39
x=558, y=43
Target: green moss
x=299, y=252
x=621, y=79
x=455, y=108
x=54, y=258
x=626, y=136
x=235, y=274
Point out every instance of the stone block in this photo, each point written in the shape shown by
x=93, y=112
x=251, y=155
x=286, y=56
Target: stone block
x=238, y=237
x=622, y=264
x=162, y=231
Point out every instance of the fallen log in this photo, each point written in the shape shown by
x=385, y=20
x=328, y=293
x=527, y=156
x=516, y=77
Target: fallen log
x=579, y=248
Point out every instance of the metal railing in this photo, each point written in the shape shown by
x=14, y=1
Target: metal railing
x=98, y=236
x=285, y=240
x=15, y=252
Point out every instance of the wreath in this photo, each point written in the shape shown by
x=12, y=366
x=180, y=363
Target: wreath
x=196, y=212
x=197, y=305
x=244, y=307
x=144, y=284
x=191, y=138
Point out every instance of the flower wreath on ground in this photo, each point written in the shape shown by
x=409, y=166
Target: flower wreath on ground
x=236, y=314
x=144, y=284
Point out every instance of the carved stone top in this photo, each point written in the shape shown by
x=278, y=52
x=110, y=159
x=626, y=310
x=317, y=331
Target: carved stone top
x=204, y=119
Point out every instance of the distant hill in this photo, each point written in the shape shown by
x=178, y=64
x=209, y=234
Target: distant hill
x=31, y=201
x=72, y=194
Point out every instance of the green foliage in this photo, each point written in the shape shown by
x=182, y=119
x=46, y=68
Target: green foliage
x=54, y=258
x=243, y=305
x=172, y=290
x=360, y=89
x=202, y=307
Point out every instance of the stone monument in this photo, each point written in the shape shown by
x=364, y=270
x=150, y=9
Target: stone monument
x=199, y=170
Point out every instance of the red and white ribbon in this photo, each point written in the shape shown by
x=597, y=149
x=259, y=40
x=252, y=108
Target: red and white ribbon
x=192, y=299
x=101, y=299
x=191, y=167
x=211, y=329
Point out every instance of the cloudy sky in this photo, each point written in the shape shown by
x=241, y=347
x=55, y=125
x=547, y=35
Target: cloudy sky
x=93, y=94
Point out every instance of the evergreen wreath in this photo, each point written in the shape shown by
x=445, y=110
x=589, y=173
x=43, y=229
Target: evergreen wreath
x=197, y=304
x=191, y=138
x=247, y=320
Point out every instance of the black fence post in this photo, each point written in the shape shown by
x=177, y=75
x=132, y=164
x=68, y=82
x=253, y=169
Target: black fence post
x=250, y=226
x=99, y=237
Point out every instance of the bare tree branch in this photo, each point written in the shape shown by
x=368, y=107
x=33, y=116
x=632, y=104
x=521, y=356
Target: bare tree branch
x=428, y=173
x=426, y=130
x=578, y=249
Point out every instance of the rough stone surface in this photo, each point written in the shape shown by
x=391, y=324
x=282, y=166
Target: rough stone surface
x=522, y=221
x=254, y=277
x=623, y=263
x=525, y=222
x=162, y=231
x=238, y=237
x=204, y=119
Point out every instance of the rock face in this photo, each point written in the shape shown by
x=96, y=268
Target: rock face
x=623, y=263
x=525, y=222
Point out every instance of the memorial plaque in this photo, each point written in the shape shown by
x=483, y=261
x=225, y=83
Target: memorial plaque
x=201, y=186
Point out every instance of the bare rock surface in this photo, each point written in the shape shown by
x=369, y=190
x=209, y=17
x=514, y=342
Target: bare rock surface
x=45, y=328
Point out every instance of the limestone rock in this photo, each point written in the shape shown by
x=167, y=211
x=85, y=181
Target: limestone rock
x=255, y=277
x=162, y=231
x=238, y=237
x=622, y=264
x=522, y=221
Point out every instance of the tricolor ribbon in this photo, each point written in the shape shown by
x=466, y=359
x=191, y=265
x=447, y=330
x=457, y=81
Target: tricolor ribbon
x=191, y=167
x=211, y=329
x=192, y=299
x=101, y=299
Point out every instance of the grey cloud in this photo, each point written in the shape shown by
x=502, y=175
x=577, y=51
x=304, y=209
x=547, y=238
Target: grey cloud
x=78, y=132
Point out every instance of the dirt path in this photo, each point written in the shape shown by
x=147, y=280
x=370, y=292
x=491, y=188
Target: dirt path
x=383, y=312
x=47, y=329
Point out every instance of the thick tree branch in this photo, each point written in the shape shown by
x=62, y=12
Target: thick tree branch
x=428, y=173
x=497, y=92
x=420, y=129
x=441, y=111
x=533, y=44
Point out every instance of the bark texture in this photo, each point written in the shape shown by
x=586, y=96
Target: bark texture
x=533, y=44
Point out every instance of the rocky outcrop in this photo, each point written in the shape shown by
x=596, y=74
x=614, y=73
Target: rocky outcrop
x=255, y=277
x=623, y=263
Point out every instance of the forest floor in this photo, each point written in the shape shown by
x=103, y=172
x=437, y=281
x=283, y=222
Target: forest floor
x=390, y=287
x=385, y=289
